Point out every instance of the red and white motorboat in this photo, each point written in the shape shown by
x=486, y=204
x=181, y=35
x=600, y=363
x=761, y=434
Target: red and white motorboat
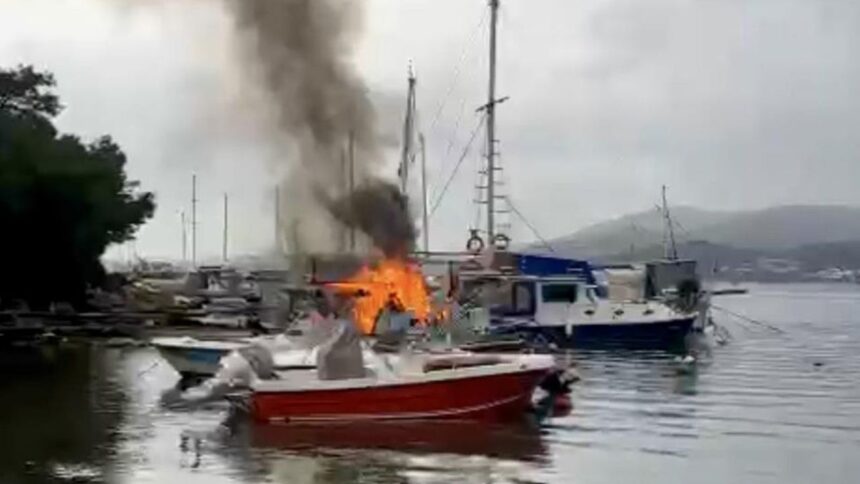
x=461, y=386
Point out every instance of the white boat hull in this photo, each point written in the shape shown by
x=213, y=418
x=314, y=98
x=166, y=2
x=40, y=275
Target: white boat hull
x=202, y=358
x=191, y=357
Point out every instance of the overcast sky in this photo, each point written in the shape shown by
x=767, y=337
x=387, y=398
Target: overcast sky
x=731, y=103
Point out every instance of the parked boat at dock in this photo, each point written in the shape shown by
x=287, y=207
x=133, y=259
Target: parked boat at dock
x=557, y=302
x=566, y=312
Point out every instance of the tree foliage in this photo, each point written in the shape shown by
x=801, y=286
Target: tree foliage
x=62, y=200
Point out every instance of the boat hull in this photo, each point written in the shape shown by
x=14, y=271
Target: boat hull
x=487, y=398
x=650, y=333
x=194, y=362
x=194, y=358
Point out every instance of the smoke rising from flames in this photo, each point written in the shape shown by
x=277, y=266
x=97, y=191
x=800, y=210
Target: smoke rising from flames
x=301, y=51
x=379, y=210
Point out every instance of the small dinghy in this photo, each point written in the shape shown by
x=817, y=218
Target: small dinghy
x=192, y=357
x=197, y=358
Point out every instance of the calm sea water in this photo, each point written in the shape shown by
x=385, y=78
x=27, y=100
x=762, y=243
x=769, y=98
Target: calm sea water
x=767, y=407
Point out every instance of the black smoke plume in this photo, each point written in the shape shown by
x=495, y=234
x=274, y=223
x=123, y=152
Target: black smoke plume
x=302, y=53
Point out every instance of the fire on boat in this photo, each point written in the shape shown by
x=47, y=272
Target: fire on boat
x=349, y=382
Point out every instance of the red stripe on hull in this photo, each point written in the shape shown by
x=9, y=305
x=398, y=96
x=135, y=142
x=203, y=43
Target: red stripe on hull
x=493, y=398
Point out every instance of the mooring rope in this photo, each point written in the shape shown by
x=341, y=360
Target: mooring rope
x=749, y=319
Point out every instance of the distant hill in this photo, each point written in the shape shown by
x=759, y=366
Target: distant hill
x=786, y=227
x=816, y=257
x=796, y=263
x=636, y=230
x=709, y=255
x=809, y=238
x=772, y=228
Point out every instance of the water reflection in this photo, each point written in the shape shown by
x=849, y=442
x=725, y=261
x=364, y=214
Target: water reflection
x=58, y=414
x=373, y=452
x=514, y=441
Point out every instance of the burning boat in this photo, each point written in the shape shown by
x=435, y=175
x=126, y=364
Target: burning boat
x=381, y=296
x=393, y=285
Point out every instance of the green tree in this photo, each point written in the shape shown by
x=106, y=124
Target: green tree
x=62, y=201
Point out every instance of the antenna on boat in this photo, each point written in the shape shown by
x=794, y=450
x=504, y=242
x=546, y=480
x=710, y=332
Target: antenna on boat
x=670, y=251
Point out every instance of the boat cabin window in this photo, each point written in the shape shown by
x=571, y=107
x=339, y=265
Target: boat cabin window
x=558, y=293
x=513, y=299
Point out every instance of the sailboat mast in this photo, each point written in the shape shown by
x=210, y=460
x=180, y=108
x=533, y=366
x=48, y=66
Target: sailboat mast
x=425, y=224
x=224, y=242
x=408, y=133
x=670, y=251
x=184, y=238
x=351, y=180
x=491, y=127
x=194, y=220
x=277, y=224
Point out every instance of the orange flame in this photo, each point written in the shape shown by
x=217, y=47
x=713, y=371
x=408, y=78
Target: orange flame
x=391, y=282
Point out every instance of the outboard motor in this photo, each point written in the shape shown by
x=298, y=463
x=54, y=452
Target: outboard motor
x=241, y=367
x=238, y=369
x=552, y=397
